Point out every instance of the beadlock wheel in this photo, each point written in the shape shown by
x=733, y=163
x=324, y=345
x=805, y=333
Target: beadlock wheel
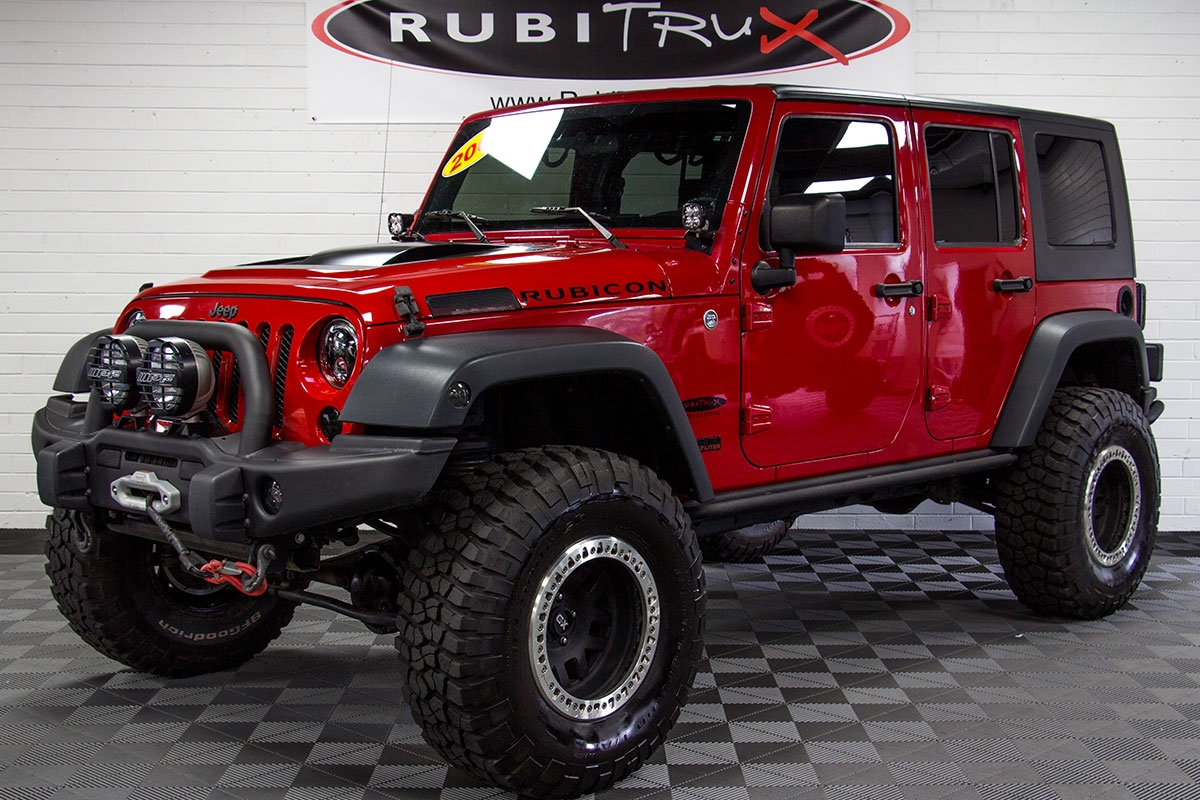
x=1114, y=495
x=1077, y=515
x=550, y=619
x=595, y=616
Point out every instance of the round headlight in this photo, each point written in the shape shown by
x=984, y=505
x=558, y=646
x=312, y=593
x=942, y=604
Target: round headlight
x=176, y=377
x=112, y=370
x=337, y=351
x=135, y=316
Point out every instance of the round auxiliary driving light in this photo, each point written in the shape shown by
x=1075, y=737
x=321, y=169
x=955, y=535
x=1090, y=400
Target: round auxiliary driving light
x=329, y=422
x=272, y=497
x=176, y=377
x=112, y=370
x=337, y=352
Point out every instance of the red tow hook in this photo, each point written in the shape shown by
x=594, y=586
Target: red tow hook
x=238, y=574
x=246, y=578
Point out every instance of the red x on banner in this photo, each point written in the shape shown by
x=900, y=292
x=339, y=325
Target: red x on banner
x=798, y=30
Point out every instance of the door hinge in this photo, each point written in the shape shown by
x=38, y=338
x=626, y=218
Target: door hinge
x=937, y=397
x=939, y=307
x=755, y=419
x=756, y=316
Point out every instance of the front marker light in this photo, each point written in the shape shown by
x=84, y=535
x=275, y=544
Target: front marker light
x=176, y=377
x=337, y=352
x=112, y=368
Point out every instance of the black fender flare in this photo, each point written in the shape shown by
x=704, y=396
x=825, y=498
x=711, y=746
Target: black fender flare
x=72, y=372
x=1050, y=347
x=407, y=385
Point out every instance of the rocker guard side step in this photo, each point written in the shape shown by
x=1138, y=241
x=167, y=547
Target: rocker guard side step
x=743, y=507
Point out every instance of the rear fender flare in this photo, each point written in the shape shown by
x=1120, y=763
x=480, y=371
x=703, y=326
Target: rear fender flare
x=1046, y=357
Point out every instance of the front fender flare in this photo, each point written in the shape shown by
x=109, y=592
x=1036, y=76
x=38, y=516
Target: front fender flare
x=406, y=385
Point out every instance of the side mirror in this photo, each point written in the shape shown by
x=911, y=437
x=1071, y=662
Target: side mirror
x=801, y=223
x=808, y=224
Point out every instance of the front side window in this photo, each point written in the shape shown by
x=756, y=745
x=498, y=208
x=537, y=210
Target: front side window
x=630, y=165
x=972, y=186
x=853, y=158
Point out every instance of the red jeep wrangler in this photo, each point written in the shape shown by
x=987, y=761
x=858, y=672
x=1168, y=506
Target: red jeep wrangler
x=621, y=330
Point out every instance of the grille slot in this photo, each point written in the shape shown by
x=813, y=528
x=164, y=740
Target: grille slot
x=234, y=389
x=216, y=362
x=281, y=369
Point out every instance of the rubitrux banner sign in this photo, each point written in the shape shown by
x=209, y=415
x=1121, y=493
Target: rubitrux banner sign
x=435, y=61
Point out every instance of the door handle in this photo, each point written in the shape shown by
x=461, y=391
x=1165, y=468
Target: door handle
x=906, y=289
x=1012, y=285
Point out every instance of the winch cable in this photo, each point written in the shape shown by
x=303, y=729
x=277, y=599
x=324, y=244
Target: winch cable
x=246, y=578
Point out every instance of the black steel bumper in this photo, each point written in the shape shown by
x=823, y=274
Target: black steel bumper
x=222, y=493
x=222, y=482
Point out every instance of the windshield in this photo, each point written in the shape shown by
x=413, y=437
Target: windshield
x=630, y=165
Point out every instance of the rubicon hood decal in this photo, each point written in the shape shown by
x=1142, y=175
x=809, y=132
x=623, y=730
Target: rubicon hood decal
x=611, y=40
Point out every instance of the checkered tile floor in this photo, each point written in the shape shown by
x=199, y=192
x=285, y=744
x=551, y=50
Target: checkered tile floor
x=848, y=665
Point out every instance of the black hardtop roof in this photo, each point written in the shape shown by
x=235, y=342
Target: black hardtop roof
x=887, y=98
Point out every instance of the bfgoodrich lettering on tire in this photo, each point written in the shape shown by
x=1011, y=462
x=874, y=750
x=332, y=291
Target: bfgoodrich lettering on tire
x=1077, y=516
x=128, y=598
x=551, y=619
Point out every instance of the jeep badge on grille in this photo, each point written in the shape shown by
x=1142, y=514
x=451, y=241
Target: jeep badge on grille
x=223, y=312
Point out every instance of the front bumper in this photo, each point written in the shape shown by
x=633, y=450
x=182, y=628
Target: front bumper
x=223, y=481
x=222, y=493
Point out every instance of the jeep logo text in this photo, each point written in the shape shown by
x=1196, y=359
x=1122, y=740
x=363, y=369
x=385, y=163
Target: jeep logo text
x=223, y=312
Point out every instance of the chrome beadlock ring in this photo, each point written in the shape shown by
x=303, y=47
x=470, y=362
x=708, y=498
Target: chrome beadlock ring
x=1116, y=457
x=624, y=556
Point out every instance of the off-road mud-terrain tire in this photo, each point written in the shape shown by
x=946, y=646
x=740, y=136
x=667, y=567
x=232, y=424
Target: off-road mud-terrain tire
x=743, y=545
x=1077, y=515
x=527, y=550
x=128, y=598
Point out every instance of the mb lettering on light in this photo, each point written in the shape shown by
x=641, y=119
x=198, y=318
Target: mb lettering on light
x=537, y=27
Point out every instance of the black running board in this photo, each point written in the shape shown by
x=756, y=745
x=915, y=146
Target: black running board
x=743, y=507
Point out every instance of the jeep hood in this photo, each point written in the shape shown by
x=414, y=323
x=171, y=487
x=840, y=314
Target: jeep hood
x=458, y=274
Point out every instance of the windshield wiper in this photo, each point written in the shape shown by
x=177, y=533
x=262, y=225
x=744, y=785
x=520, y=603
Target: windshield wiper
x=470, y=219
x=576, y=211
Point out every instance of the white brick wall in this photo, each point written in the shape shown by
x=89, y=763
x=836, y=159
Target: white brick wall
x=146, y=140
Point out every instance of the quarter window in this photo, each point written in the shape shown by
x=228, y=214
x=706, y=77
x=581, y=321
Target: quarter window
x=972, y=186
x=1075, y=192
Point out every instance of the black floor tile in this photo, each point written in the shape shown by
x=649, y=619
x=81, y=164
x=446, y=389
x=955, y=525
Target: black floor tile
x=845, y=665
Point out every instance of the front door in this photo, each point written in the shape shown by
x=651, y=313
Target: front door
x=830, y=367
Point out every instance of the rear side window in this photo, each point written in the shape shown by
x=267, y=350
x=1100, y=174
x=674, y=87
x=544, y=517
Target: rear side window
x=1075, y=191
x=973, y=186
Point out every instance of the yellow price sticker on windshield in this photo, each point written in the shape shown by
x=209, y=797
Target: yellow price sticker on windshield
x=467, y=155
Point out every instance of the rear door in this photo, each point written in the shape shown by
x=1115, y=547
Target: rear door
x=979, y=268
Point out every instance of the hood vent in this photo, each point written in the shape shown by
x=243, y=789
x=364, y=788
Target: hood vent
x=479, y=301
